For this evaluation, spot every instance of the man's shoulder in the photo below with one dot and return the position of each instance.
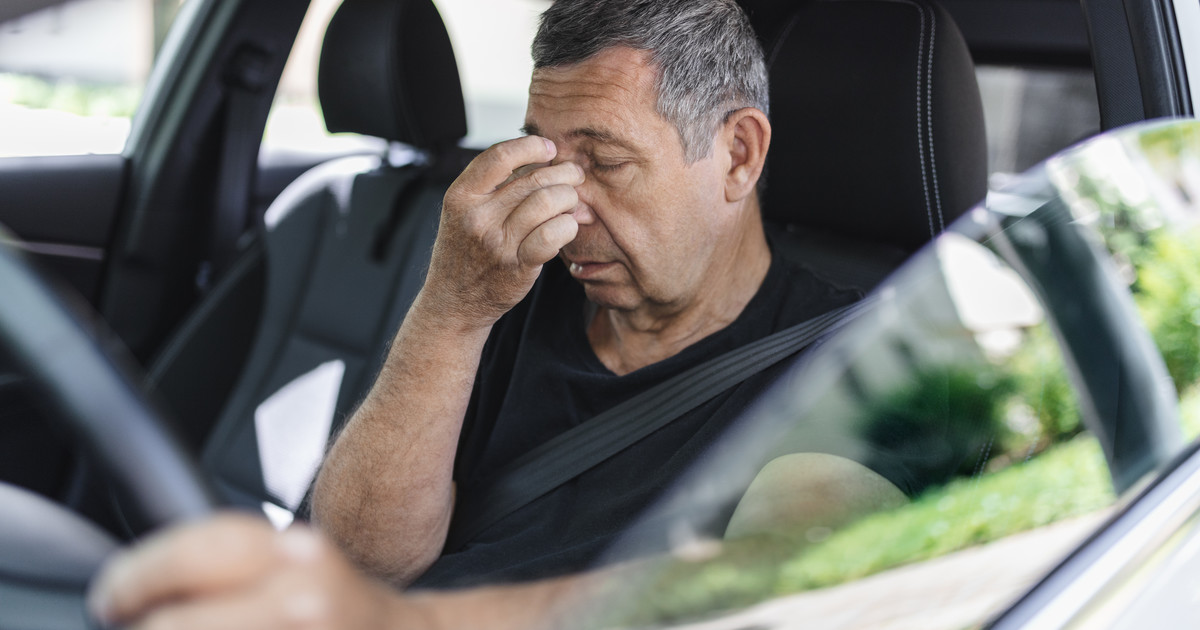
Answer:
(805, 293)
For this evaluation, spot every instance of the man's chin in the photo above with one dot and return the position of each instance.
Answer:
(608, 296)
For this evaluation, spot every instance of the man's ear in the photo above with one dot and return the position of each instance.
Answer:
(746, 134)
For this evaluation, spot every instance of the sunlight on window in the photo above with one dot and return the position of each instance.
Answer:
(71, 75)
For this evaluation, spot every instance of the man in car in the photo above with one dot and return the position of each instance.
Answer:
(615, 245)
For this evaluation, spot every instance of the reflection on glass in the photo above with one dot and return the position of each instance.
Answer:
(1140, 192)
(957, 395)
(1002, 385)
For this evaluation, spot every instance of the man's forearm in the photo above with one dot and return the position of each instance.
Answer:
(385, 492)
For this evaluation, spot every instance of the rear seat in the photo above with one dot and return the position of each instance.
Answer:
(340, 257)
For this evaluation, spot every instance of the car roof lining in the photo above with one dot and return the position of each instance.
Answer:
(1023, 32)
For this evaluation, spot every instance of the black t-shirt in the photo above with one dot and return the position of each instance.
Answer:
(539, 377)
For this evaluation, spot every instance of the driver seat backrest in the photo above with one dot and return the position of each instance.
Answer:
(878, 134)
(345, 248)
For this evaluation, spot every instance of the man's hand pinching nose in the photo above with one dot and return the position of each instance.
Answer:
(505, 216)
(521, 172)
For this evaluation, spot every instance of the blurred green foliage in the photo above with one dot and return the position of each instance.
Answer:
(83, 99)
(1044, 387)
(1168, 297)
(1161, 264)
(947, 422)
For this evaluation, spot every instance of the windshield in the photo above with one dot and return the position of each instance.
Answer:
(1016, 380)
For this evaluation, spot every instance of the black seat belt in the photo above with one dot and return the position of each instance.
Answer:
(244, 81)
(586, 445)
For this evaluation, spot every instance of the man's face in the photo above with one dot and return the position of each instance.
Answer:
(648, 220)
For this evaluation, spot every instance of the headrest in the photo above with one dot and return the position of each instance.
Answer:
(387, 70)
(877, 123)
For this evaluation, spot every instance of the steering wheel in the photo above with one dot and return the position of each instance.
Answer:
(48, 553)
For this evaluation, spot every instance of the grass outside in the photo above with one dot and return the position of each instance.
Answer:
(1067, 480)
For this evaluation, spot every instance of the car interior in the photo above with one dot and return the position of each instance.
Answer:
(248, 293)
(324, 276)
(344, 247)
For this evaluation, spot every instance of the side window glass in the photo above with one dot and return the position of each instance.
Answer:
(957, 389)
(1149, 227)
(72, 73)
(958, 395)
(1032, 113)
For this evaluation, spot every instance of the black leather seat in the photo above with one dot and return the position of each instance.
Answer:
(341, 255)
(878, 134)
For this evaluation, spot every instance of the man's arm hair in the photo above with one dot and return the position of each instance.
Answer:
(385, 493)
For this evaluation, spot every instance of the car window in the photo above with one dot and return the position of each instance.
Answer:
(1032, 113)
(491, 44)
(72, 73)
(1002, 379)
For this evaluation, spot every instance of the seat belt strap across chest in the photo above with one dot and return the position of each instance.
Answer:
(586, 445)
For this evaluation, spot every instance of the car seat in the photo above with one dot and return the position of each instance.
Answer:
(878, 134)
(339, 258)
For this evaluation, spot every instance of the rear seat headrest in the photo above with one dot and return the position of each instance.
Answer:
(877, 121)
(387, 69)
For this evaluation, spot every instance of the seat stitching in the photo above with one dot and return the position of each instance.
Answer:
(920, 8)
(925, 176)
(920, 132)
(929, 118)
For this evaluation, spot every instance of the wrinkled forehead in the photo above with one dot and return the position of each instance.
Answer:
(613, 73)
(613, 91)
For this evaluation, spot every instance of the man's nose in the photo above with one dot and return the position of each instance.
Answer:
(582, 211)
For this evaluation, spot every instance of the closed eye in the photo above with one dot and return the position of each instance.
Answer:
(602, 167)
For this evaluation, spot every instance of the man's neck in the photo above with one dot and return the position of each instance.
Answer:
(625, 341)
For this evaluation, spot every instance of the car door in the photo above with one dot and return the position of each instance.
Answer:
(72, 73)
(128, 219)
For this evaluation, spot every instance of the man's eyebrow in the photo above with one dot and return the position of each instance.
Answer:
(599, 135)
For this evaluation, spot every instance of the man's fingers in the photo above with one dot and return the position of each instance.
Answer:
(522, 171)
(314, 588)
(190, 561)
(545, 240)
(528, 179)
(292, 598)
(540, 206)
(230, 611)
(494, 166)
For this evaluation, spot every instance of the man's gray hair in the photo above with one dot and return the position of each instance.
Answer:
(708, 58)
